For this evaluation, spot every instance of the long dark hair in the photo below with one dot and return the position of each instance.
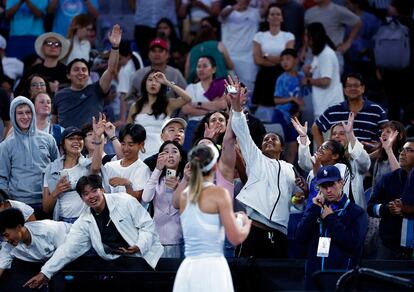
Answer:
(338, 148)
(173, 38)
(398, 143)
(161, 102)
(317, 33)
(181, 164)
(199, 131)
(28, 83)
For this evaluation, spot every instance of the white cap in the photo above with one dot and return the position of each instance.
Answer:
(174, 120)
(3, 42)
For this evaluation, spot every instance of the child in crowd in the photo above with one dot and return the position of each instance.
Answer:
(288, 97)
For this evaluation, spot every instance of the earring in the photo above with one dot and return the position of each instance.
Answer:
(143, 150)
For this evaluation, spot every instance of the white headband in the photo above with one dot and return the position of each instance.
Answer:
(209, 166)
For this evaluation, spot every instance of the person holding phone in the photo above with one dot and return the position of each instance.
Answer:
(332, 231)
(159, 189)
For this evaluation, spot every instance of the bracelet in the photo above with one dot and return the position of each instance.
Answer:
(96, 143)
(115, 48)
(113, 138)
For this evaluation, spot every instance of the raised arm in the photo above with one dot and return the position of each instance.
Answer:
(304, 155)
(111, 134)
(149, 189)
(387, 145)
(227, 160)
(110, 73)
(98, 140)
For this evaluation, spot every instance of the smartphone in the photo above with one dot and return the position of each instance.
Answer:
(231, 89)
(170, 172)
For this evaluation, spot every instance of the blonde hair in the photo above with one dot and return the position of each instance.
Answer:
(79, 21)
(200, 158)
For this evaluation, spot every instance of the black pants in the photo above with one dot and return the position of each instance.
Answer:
(264, 244)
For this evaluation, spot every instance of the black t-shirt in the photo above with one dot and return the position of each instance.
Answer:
(4, 106)
(56, 73)
(111, 238)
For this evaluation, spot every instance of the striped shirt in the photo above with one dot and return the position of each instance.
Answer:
(367, 121)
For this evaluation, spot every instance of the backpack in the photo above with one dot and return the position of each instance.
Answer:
(392, 46)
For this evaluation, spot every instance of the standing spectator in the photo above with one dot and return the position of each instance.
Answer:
(294, 19)
(147, 14)
(133, 235)
(335, 18)
(369, 116)
(240, 23)
(267, 46)
(207, 44)
(323, 73)
(158, 56)
(336, 221)
(26, 24)
(52, 48)
(78, 32)
(64, 11)
(159, 190)
(153, 108)
(12, 67)
(386, 195)
(77, 104)
(129, 174)
(25, 155)
(268, 191)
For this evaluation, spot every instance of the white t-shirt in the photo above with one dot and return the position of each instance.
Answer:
(197, 13)
(326, 65)
(196, 91)
(138, 173)
(70, 204)
(26, 209)
(273, 45)
(125, 77)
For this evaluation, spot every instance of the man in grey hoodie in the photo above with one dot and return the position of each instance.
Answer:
(24, 156)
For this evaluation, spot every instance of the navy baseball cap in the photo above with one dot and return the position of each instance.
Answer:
(70, 131)
(328, 173)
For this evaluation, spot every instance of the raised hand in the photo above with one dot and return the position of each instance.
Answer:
(234, 98)
(99, 127)
(212, 132)
(160, 77)
(161, 160)
(115, 36)
(349, 125)
(387, 144)
(110, 129)
(302, 130)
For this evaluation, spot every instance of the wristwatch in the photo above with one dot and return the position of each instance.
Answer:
(172, 83)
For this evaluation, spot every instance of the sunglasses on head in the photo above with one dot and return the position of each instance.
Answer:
(56, 44)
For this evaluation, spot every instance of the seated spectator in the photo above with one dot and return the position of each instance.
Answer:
(61, 176)
(78, 103)
(6, 203)
(129, 174)
(35, 84)
(213, 125)
(12, 67)
(52, 48)
(369, 116)
(24, 156)
(359, 160)
(64, 12)
(207, 95)
(34, 241)
(43, 107)
(26, 24)
(80, 47)
(323, 74)
(172, 130)
(384, 157)
(134, 234)
(335, 223)
(153, 108)
(159, 190)
(158, 56)
(267, 46)
(208, 45)
(385, 198)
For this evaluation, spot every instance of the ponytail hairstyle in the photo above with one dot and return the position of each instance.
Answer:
(202, 159)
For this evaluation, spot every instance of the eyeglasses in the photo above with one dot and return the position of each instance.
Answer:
(52, 44)
(407, 149)
(38, 84)
(325, 147)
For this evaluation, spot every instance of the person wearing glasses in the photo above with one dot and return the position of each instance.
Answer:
(388, 204)
(51, 48)
(369, 116)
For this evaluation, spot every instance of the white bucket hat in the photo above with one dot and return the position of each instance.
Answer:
(41, 39)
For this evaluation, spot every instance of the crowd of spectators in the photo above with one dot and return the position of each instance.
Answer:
(290, 92)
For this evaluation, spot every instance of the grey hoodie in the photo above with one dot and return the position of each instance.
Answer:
(24, 157)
